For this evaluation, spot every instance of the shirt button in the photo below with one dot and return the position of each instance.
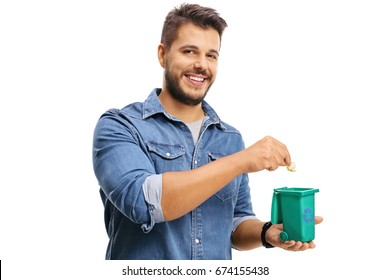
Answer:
(197, 241)
(196, 162)
(168, 154)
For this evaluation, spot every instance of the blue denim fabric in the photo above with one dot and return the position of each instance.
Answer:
(142, 140)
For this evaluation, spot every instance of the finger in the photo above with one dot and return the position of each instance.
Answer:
(273, 166)
(288, 245)
(297, 246)
(272, 163)
(282, 155)
(318, 220)
(312, 245)
(285, 157)
(277, 160)
(304, 246)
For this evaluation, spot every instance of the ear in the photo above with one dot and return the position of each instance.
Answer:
(161, 55)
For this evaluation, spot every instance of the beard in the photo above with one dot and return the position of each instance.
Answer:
(178, 93)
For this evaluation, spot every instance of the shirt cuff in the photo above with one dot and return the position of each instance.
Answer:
(152, 189)
(238, 220)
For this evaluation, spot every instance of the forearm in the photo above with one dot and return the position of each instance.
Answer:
(184, 191)
(247, 235)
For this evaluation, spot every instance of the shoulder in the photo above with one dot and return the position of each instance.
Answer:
(214, 118)
(136, 110)
(130, 111)
(229, 128)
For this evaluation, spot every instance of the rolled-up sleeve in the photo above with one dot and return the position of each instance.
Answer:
(152, 188)
(122, 166)
(238, 220)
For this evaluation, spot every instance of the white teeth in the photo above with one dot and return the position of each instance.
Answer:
(198, 79)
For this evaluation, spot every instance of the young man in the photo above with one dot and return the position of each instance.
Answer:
(173, 176)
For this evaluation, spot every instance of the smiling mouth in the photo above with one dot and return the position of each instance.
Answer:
(196, 79)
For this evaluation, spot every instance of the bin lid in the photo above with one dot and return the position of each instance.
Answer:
(296, 191)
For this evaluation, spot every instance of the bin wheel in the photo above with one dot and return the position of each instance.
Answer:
(283, 236)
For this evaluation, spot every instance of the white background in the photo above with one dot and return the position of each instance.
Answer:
(314, 74)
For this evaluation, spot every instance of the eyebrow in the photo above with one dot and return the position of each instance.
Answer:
(193, 47)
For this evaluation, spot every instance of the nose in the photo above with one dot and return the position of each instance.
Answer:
(201, 63)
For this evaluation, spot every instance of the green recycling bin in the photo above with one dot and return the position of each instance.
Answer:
(294, 207)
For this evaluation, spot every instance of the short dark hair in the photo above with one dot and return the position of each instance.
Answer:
(203, 17)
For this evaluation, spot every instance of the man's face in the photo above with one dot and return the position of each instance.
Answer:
(191, 64)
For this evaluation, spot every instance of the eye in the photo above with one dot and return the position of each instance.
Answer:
(212, 56)
(189, 51)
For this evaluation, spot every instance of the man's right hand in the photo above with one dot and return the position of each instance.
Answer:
(268, 153)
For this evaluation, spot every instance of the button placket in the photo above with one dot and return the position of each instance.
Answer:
(198, 234)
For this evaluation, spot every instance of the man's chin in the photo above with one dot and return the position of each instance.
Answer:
(192, 101)
(191, 96)
(197, 95)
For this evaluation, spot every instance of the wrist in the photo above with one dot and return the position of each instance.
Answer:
(243, 163)
(264, 242)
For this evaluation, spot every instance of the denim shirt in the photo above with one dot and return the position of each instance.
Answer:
(142, 141)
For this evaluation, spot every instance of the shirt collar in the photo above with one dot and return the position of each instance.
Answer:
(153, 106)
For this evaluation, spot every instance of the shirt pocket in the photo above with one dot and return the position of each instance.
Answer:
(166, 157)
(230, 190)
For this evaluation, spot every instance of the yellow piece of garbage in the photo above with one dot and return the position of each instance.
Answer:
(291, 167)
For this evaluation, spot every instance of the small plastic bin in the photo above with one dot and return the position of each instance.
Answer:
(294, 207)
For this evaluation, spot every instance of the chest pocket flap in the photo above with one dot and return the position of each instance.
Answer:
(166, 151)
(166, 157)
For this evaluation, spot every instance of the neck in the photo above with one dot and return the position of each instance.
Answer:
(184, 112)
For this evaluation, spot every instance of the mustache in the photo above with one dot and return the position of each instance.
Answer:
(200, 72)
